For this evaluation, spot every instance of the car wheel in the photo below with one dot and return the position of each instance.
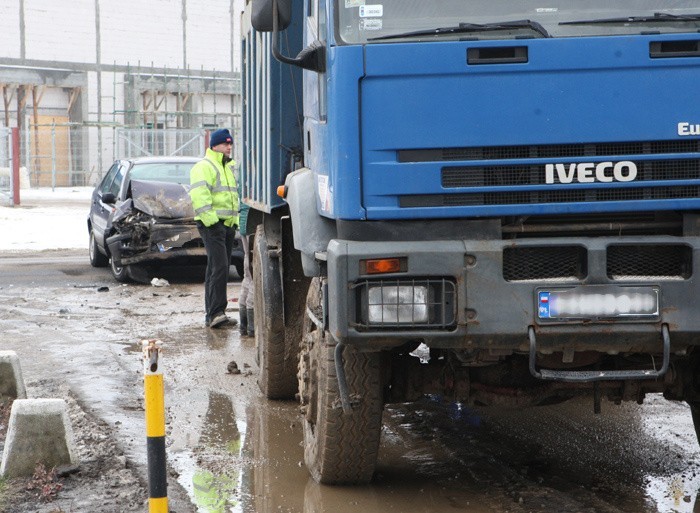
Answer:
(97, 259)
(120, 272)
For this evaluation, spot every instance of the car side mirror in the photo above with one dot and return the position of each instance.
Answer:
(109, 198)
(262, 15)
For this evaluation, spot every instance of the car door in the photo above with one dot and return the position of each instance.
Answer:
(101, 211)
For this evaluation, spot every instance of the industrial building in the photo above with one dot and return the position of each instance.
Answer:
(87, 81)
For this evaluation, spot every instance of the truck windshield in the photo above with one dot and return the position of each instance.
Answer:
(359, 21)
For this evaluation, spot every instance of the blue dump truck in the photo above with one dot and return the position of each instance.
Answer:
(494, 202)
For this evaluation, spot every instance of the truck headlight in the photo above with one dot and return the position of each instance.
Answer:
(397, 304)
(406, 303)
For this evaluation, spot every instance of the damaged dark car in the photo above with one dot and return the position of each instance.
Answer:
(141, 220)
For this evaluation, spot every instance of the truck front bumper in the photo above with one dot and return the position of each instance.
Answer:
(474, 302)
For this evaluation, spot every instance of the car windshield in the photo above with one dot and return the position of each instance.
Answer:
(173, 172)
(358, 21)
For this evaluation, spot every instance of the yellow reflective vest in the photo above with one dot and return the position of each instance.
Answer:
(213, 190)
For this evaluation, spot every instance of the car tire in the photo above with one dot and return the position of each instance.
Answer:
(97, 259)
(120, 273)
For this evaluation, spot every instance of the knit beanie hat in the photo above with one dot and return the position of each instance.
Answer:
(220, 136)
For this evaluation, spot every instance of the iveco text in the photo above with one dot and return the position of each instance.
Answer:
(688, 129)
(588, 172)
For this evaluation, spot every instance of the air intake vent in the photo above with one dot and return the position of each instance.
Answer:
(657, 262)
(557, 263)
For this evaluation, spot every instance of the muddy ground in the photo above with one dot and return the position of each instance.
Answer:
(78, 335)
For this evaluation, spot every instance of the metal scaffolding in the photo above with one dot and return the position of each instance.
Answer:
(161, 109)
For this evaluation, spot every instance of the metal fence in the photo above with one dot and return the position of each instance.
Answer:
(147, 142)
(67, 155)
(56, 155)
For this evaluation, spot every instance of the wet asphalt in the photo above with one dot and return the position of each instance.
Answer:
(69, 321)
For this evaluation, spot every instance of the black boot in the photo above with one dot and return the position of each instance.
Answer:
(251, 322)
(243, 325)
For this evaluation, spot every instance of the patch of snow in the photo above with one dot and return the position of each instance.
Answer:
(46, 219)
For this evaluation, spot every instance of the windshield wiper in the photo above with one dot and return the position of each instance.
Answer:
(464, 28)
(658, 17)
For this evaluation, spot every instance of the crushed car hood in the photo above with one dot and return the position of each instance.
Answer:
(162, 199)
(154, 224)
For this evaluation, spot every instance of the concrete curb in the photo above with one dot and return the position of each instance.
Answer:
(11, 382)
(39, 431)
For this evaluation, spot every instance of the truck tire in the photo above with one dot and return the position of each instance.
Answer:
(278, 366)
(339, 448)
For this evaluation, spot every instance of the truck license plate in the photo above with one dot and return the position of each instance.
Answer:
(598, 302)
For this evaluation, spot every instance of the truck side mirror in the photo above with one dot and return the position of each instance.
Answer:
(261, 16)
(263, 19)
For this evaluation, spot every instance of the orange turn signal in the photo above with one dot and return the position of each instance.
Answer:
(282, 191)
(383, 265)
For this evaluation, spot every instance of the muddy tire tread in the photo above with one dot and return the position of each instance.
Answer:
(352, 441)
(341, 448)
(278, 365)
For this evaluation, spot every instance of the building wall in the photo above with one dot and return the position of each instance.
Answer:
(60, 31)
(199, 34)
(9, 29)
(149, 32)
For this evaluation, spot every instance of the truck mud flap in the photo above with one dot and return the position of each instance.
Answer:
(588, 376)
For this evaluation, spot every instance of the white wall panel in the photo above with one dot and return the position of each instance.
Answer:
(139, 30)
(209, 34)
(9, 29)
(60, 30)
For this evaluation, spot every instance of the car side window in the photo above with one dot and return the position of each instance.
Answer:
(117, 183)
(109, 177)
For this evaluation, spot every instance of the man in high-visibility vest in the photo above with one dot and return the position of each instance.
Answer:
(214, 198)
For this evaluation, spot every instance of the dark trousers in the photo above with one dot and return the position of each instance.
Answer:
(218, 241)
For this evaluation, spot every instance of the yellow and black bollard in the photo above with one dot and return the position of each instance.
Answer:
(155, 426)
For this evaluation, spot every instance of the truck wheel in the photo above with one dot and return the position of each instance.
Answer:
(339, 448)
(278, 366)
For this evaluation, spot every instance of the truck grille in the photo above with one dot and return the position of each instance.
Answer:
(623, 262)
(550, 151)
(556, 196)
(506, 179)
(545, 263)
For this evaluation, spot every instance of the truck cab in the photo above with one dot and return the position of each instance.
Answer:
(512, 190)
